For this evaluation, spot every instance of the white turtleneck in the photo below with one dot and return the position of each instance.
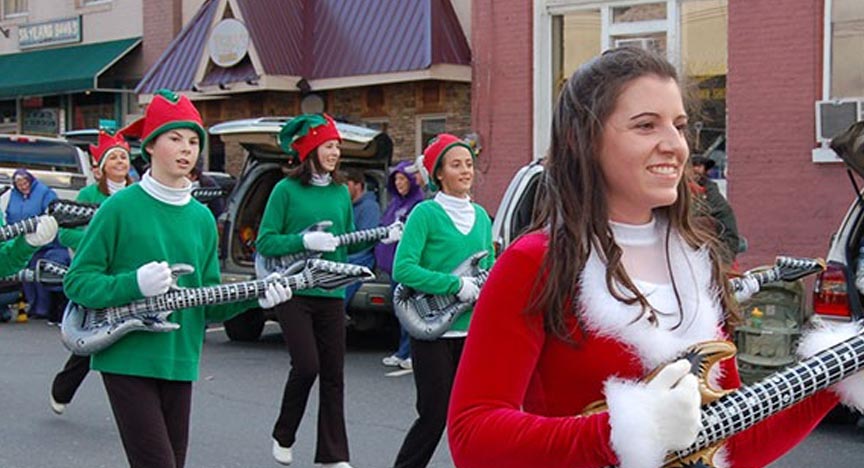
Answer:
(114, 187)
(321, 180)
(164, 193)
(643, 250)
(460, 210)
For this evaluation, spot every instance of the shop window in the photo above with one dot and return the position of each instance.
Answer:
(847, 42)
(8, 117)
(427, 127)
(89, 108)
(13, 8)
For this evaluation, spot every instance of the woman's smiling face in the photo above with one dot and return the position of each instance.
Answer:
(643, 150)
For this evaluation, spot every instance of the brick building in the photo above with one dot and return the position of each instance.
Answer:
(399, 66)
(767, 62)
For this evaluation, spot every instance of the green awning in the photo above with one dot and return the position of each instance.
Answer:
(61, 70)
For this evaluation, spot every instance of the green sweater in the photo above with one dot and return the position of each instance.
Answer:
(291, 208)
(71, 237)
(14, 254)
(431, 247)
(132, 228)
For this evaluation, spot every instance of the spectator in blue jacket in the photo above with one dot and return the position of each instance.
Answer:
(367, 215)
(30, 198)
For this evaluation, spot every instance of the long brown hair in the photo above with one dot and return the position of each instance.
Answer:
(573, 209)
(311, 165)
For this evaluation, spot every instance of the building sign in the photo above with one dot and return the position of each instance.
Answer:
(41, 121)
(229, 42)
(49, 33)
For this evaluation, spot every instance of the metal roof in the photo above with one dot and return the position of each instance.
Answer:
(320, 39)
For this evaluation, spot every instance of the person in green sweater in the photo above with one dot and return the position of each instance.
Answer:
(440, 234)
(148, 376)
(15, 253)
(313, 324)
(110, 159)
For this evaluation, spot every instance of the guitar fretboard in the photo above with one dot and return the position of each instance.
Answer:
(367, 235)
(747, 406)
(187, 298)
(761, 277)
(25, 226)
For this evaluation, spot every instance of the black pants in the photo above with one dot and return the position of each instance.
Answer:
(67, 381)
(153, 418)
(314, 330)
(435, 364)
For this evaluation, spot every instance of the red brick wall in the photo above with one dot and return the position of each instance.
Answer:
(784, 202)
(163, 20)
(501, 92)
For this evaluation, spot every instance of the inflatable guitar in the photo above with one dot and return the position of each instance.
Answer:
(265, 266)
(46, 272)
(428, 316)
(785, 269)
(208, 194)
(67, 213)
(728, 412)
(86, 331)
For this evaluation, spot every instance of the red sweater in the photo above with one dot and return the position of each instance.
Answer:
(519, 392)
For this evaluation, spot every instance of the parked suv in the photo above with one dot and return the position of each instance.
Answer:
(835, 295)
(265, 165)
(52, 161)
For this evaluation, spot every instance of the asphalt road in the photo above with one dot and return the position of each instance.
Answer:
(235, 403)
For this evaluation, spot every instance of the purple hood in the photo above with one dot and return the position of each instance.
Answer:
(398, 208)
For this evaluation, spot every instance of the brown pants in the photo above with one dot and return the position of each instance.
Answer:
(67, 381)
(152, 416)
(435, 364)
(314, 330)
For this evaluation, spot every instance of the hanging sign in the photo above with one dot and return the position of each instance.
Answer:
(229, 42)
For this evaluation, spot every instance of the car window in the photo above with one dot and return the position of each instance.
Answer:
(39, 155)
(524, 208)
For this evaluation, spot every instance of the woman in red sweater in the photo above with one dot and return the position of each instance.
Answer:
(613, 282)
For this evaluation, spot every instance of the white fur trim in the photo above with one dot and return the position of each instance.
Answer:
(634, 434)
(825, 335)
(721, 458)
(656, 345)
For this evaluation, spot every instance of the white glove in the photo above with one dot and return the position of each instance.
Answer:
(154, 278)
(46, 230)
(749, 287)
(468, 291)
(276, 294)
(320, 241)
(676, 405)
(650, 419)
(394, 234)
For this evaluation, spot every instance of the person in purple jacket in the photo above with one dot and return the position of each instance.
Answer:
(404, 194)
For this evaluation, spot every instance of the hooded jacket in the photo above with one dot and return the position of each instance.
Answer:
(33, 204)
(397, 209)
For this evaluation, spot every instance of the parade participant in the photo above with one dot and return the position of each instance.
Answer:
(15, 254)
(439, 235)
(30, 198)
(148, 376)
(313, 324)
(612, 282)
(405, 193)
(110, 159)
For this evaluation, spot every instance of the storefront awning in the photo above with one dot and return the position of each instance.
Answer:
(61, 70)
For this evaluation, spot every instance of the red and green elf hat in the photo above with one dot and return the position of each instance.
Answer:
(302, 134)
(167, 111)
(106, 143)
(434, 153)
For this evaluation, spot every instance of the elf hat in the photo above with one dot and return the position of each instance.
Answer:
(433, 155)
(167, 111)
(302, 134)
(106, 143)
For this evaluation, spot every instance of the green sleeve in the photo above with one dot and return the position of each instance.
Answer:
(15, 255)
(71, 237)
(271, 241)
(406, 266)
(88, 282)
(211, 275)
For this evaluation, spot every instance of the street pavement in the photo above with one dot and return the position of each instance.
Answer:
(235, 403)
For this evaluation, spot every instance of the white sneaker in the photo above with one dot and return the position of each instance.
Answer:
(57, 408)
(392, 361)
(336, 465)
(282, 454)
(407, 364)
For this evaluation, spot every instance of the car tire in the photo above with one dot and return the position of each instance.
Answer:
(246, 326)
